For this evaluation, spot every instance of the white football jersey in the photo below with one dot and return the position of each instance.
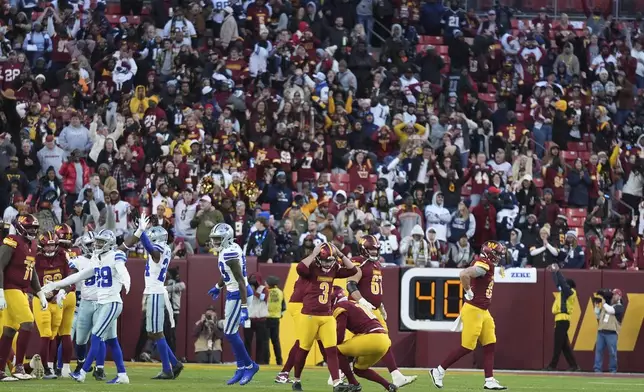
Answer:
(155, 272)
(88, 288)
(109, 281)
(218, 8)
(230, 253)
(121, 211)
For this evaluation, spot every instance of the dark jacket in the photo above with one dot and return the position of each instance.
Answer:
(580, 183)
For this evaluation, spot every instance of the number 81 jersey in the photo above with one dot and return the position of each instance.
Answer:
(370, 284)
(155, 273)
(233, 252)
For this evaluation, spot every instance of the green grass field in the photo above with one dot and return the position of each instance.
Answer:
(213, 377)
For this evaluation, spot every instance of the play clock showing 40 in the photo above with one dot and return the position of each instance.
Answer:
(431, 299)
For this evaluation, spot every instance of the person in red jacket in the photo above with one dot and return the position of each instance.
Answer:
(485, 217)
(75, 174)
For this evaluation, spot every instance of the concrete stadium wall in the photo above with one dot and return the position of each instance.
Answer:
(524, 322)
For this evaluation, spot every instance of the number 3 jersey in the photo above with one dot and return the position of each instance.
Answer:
(110, 274)
(317, 301)
(155, 273)
(88, 288)
(370, 284)
(233, 252)
(52, 269)
(483, 285)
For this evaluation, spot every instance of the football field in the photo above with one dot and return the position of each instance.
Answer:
(213, 378)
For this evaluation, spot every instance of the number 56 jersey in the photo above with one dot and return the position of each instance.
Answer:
(110, 274)
(483, 285)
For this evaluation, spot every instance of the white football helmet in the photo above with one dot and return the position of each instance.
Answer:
(104, 241)
(86, 243)
(221, 236)
(158, 235)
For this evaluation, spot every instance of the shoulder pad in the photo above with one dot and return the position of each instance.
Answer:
(10, 241)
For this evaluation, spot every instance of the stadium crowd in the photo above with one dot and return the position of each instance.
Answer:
(299, 122)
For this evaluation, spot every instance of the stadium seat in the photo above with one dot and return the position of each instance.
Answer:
(520, 108)
(577, 146)
(294, 176)
(575, 222)
(581, 241)
(442, 49)
(466, 190)
(431, 40)
(587, 138)
(569, 156)
(55, 93)
(578, 212)
(490, 98)
(520, 117)
(609, 232)
(585, 155)
(266, 207)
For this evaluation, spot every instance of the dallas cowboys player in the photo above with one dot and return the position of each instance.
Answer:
(232, 266)
(155, 242)
(110, 276)
(87, 315)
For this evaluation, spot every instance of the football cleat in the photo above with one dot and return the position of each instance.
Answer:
(120, 379)
(343, 388)
(5, 378)
(401, 381)
(38, 370)
(239, 373)
(59, 372)
(355, 388)
(79, 377)
(20, 374)
(79, 366)
(177, 369)
(392, 388)
(164, 376)
(49, 375)
(249, 374)
(99, 374)
(282, 378)
(493, 385)
(437, 377)
(297, 386)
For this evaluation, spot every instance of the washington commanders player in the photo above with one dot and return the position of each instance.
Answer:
(319, 270)
(478, 324)
(17, 276)
(365, 287)
(368, 344)
(65, 236)
(51, 265)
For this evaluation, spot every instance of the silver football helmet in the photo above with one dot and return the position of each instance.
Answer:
(104, 241)
(157, 235)
(221, 236)
(86, 243)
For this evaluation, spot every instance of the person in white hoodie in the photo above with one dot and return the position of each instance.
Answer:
(414, 248)
(438, 217)
(98, 134)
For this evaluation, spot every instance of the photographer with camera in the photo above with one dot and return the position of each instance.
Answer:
(562, 307)
(209, 332)
(610, 312)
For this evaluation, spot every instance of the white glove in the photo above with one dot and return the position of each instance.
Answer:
(43, 300)
(60, 298)
(127, 288)
(48, 288)
(469, 295)
(144, 221)
(363, 302)
(3, 302)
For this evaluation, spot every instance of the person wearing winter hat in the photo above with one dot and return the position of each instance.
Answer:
(571, 254)
(517, 250)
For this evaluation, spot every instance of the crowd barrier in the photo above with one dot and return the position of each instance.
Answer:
(524, 322)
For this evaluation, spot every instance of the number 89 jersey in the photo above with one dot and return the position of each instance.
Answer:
(155, 273)
(233, 252)
(370, 284)
(108, 280)
(483, 285)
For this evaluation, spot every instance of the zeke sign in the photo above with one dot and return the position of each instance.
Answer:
(431, 299)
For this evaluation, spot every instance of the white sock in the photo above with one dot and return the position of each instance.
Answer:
(440, 369)
(50, 365)
(396, 373)
(121, 374)
(82, 372)
(489, 379)
(336, 382)
(100, 366)
(66, 367)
